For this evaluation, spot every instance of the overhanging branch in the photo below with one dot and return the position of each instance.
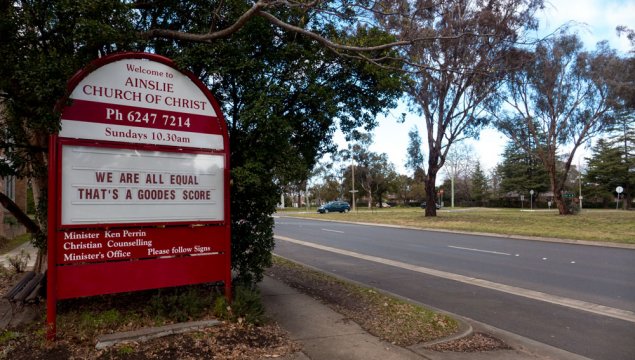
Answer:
(23, 218)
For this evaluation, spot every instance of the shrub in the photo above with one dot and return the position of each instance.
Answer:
(19, 262)
(179, 304)
(247, 306)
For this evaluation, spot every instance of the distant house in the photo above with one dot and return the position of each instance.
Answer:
(16, 190)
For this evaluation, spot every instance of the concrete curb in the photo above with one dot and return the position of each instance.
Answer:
(465, 330)
(146, 334)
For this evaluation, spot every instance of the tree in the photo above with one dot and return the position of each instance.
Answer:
(521, 171)
(558, 97)
(415, 160)
(281, 95)
(459, 162)
(327, 178)
(453, 77)
(623, 138)
(377, 176)
(608, 170)
(280, 92)
(374, 174)
(42, 44)
(479, 185)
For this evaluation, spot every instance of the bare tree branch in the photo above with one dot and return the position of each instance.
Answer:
(15, 210)
(210, 36)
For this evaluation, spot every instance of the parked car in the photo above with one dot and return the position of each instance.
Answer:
(383, 205)
(333, 206)
(423, 205)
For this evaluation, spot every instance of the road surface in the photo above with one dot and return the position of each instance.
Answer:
(574, 297)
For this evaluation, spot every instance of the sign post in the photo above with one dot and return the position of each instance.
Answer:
(138, 183)
(531, 199)
(619, 191)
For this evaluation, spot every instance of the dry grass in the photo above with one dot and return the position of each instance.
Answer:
(593, 225)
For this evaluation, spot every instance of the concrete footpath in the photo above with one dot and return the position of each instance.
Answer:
(326, 335)
(27, 249)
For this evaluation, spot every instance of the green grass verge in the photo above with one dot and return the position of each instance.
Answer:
(7, 245)
(616, 226)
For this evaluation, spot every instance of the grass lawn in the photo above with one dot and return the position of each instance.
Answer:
(7, 245)
(595, 225)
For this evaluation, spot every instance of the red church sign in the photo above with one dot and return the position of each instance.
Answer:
(138, 182)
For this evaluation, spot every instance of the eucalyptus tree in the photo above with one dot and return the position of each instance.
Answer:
(456, 70)
(559, 98)
(459, 165)
(414, 154)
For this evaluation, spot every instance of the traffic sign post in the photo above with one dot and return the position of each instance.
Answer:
(619, 191)
(531, 199)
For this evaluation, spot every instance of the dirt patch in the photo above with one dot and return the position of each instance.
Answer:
(227, 341)
(474, 343)
(81, 321)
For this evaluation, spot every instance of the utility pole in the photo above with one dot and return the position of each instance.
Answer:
(452, 183)
(353, 181)
(580, 184)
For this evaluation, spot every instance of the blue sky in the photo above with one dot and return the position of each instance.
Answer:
(596, 21)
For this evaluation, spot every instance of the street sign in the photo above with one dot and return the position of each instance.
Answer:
(619, 189)
(568, 195)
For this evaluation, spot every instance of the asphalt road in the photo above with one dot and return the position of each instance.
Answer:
(577, 298)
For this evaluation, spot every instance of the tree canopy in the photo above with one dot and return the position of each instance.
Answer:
(453, 77)
(558, 98)
(282, 94)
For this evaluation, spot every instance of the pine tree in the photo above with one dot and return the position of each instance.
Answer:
(607, 170)
(480, 189)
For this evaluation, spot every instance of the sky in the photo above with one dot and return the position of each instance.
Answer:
(597, 21)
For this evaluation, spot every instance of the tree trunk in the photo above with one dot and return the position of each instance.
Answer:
(627, 197)
(560, 204)
(557, 186)
(431, 208)
(39, 186)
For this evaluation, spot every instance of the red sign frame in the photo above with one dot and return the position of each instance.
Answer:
(89, 257)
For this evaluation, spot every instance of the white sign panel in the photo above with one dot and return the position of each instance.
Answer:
(106, 186)
(141, 102)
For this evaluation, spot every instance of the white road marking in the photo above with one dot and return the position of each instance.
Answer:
(479, 250)
(335, 231)
(530, 294)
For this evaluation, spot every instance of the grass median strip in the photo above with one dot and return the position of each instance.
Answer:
(616, 226)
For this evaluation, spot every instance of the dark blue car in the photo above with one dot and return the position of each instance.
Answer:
(334, 206)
